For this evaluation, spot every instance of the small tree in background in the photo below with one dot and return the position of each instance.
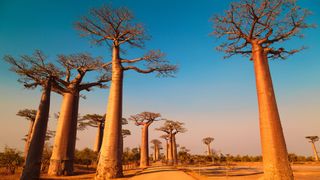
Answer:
(156, 147)
(166, 138)
(184, 155)
(30, 115)
(98, 121)
(312, 140)
(207, 141)
(172, 128)
(145, 119)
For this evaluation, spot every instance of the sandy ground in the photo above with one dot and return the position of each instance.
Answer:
(162, 173)
(300, 172)
(238, 172)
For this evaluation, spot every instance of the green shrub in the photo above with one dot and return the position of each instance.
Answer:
(10, 159)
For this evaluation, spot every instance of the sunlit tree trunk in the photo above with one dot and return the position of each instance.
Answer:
(144, 156)
(110, 164)
(157, 153)
(167, 149)
(174, 150)
(275, 156)
(154, 154)
(61, 162)
(27, 144)
(170, 152)
(208, 149)
(315, 152)
(99, 136)
(32, 166)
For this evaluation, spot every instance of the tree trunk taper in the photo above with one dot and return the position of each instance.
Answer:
(32, 166)
(274, 151)
(110, 164)
(61, 162)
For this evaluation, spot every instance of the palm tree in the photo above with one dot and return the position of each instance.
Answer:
(145, 119)
(207, 141)
(251, 29)
(314, 139)
(116, 28)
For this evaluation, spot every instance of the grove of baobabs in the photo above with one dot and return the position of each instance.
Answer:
(160, 90)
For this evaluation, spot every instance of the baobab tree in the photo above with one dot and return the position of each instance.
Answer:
(172, 128)
(253, 28)
(157, 146)
(312, 140)
(76, 66)
(35, 71)
(166, 138)
(116, 27)
(145, 119)
(30, 115)
(207, 141)
(97, 121)
(177, 128)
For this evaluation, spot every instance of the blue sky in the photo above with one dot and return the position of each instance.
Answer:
(213, 96)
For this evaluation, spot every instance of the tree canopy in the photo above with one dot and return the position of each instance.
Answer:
(263, 21)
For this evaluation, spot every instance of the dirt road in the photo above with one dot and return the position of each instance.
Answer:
(162, 173)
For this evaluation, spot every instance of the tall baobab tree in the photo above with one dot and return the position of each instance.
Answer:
(172, 128)
(76, 66)
(35, 71)
(30, 115)
(97, 121)
(145, 119)
(312, 140)
(207, 141)
(177, 128)
(116, 27)
(166, 138)
(157, 146)
(253, 28)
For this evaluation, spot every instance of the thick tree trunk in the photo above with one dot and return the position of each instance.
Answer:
(99, 136)
(154, 154)
(174, 150)
(32, 166)
(27, 144)
(208, 149)
(170, 151)
(274, 151)
(61, 162)
(144, 156)
(110, 164)
(315, 152)
(167, 150)
(158, 153)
